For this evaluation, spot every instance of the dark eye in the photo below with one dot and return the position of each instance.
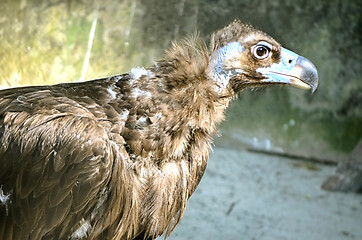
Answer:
(261, 51)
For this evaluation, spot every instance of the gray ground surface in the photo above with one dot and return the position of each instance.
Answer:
(245, 195)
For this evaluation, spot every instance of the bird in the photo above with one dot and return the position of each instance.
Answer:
(119, 157)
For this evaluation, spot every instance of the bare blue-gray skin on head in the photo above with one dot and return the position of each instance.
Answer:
(118, 157)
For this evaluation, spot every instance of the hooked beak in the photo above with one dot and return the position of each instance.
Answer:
(292, 69)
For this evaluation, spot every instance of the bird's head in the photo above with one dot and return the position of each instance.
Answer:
(243, 56)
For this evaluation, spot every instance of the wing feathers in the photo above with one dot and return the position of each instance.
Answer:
(55, 215)
(59, 160)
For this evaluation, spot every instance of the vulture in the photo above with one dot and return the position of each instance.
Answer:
(118, 157)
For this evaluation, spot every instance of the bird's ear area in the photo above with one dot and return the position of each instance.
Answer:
(227, 57)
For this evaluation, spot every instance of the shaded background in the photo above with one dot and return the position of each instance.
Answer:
(46, 42)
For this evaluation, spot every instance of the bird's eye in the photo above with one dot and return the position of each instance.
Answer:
(261, 51)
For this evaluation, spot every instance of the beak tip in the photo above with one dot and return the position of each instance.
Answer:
(309, 73)
(314, 88)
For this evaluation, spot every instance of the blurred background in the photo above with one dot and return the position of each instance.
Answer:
(53, 41)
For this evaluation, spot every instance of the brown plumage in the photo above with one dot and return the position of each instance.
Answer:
(118, 158)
